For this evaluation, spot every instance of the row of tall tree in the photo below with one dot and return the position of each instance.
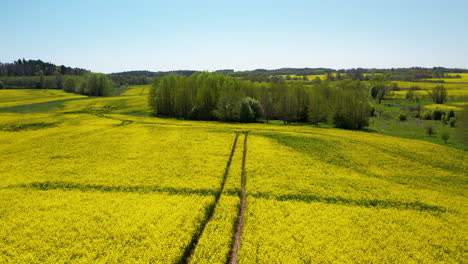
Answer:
(92, 84)
(212, 96)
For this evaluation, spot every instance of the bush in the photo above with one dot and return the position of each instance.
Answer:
(452, 122)
(430, 130)
(445, 137)
(194, 113)
(462, 125)
(402, 116)
(2, 86)
(95, 84)
(410, 95)
(439, 94)
(427, 115)
(70, 85)
(438, 114)
(451, 114)
(246, 114)
(445, 119)
(250, 110)
(374, 92)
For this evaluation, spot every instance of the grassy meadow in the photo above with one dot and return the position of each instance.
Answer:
(96, 180)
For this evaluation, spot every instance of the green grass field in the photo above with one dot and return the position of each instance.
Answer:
(96, 180)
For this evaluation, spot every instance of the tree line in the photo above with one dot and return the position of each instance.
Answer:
(363, 74)
(22, 67)
(122, 79)
(214, 96)
(92, 84)
(36, 82)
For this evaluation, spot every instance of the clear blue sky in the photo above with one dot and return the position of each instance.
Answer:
(111, 36)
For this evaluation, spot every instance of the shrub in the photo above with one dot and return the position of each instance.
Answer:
(445, 119)
(256, 108)
(462, 125)
(410, 95)
(246, 114)
(439, 94)
(70, 85)
(451, 114)
(2, 86)
(402, 116)
(194, 113)
(95, 84)
(427, 115)
(374, 92)
(430, 130)
(445, 137)
(250, 110)
(452, 122)
(438, 114)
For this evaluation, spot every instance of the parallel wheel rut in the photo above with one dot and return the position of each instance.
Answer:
(191, 248)
(240, 219)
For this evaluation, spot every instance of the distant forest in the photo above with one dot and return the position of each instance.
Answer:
(39, 74)
(262, 75)
(23, 67)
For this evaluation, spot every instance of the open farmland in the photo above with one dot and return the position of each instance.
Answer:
(455, 90)
(463, 79)
(94, 180)
(234, 132)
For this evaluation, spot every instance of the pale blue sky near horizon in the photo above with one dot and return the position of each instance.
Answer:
(113, 36)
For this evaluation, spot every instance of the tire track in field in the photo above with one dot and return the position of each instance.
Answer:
(210, 212)
(240, 219)
(142, 91)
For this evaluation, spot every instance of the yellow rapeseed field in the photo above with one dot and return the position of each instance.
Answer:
(464, 78)
(445, 107)
(103, 151)
(351, 197)
(311, 232)
(14, 97)
(454, 90)
(215, 243)
(137, 90)
(96, 180)
(85, 226)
